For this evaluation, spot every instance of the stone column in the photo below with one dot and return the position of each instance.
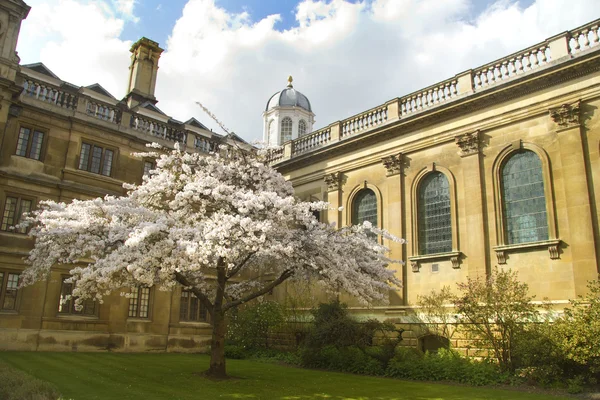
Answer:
(475, 244)
(581, 237)
(334, 197)
(396, 219)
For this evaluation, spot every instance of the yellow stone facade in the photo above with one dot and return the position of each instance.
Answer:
(544, 99)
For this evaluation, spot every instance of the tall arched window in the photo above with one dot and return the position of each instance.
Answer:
(434, 217)
(364, 207)
(524, 201)
(286, 130)
(302, 127)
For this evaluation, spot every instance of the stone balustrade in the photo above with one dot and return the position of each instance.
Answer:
(311, 141)
(204, 145)
(158, 129)
(49, 94)
(365, 121)
(429, 97)
(511, 66)
(584, 37)
(103, 111)
(275, 155)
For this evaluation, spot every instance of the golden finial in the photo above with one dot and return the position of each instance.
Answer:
(290, 79)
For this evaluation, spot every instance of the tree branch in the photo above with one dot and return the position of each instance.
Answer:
(197, 292)
(238, 267)
(284, 275)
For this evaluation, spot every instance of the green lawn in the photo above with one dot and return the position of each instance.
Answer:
(106, 376)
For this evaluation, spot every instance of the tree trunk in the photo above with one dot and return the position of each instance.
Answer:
(217, 347)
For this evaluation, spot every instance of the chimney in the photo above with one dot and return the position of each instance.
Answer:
(142, 72)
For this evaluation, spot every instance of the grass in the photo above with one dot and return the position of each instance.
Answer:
(106, 376)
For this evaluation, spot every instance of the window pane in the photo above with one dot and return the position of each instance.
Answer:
(36, 145)
(23, 142)
(133, 302)
(434, 218)
(144, 296)
(365, 207)
(8, 217)
(10, 295)
(96, 159)
(107, 162)
(524, 199)
(25, 208)
(64, 307)
(148, 166)
(286, 129)
(301, 128)
(184, 306)
(84, 157)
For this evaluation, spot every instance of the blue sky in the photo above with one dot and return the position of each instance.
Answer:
(157, 17)
(345, 56)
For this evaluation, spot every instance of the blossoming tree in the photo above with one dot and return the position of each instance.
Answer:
(225, 226)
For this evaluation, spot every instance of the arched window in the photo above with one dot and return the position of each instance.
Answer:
(434, 217)
(286, 130)
(364, 207)
(302, 127)
(524, 202)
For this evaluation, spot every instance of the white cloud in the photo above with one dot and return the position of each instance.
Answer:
(346, 57)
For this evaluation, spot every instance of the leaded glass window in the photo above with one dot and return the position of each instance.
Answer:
(524, 199)
(286, 130)
(139, 303)
(364, 208)
(434, 218)
(301, 128)
(191, 308)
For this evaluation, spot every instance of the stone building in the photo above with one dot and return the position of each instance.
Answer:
(60, 141)
(498, 165)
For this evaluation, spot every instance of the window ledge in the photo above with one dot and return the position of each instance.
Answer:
(453, 256)
(93, 175)
(552, 245)
(199, 324)
(9, 312)
(75, 318)
(143, 320)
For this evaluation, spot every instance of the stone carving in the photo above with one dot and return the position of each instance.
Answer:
(468, 143)
(393, 164)
(455, 261)
(566, 116)
(553, 249)
(501, 256)
(333, 181)
(415, 266)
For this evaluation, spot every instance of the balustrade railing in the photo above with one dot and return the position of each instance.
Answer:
(49, 94)
(511, 66)
(204, 144)
(429, 97)
(583, 38)
(364, 121)
(275, 155)
(158, 129)
(103, 112)
(311, 141)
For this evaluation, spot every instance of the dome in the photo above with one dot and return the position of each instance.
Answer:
(289, 97)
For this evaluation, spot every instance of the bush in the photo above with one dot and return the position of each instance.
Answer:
(17, 385)
(249, 328)
(493, 312)
(445, 365)
(577, 334)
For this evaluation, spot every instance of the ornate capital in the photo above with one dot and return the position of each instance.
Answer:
(468, 143)
(566, 116)
(415, 266)
(333, 181)
(394, 164)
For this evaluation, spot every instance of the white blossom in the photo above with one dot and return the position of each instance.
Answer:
(196, 218)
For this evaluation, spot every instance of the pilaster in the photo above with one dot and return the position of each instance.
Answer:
(580, 240)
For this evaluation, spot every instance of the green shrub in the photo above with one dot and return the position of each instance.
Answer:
(235, 352)
(445, 365)
(17, 385)
(250, 327)
(577, 334)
